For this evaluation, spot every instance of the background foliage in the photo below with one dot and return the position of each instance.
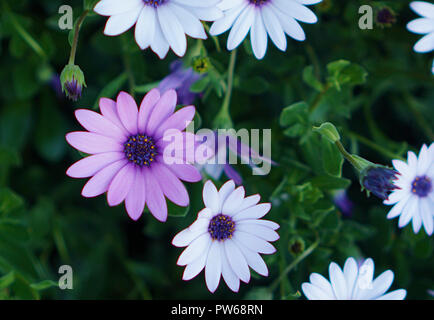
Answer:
(369, 83)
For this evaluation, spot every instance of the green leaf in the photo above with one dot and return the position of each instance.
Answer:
(259, 294)
(145, 88)
(9, 200)
(310, 79)
(295, 113)
(328, 131)
(332, 158)
(45, 284)
(112, 88)
(254, 85)
(177, 211)
(327, 182)
(200, 85)
(7, 280)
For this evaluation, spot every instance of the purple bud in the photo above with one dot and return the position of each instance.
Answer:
(379, 181)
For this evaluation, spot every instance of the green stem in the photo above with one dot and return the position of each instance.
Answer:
(375, 146)
(319, 97)
(224, 111)
(347, 155)
(24, 34)
(76, 33)
(423, 124)
(294, 263)
(129, 71)
(215, 39)
(231, 71)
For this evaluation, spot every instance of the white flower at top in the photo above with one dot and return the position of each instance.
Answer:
(227, 237)
(424, 25)
(353, 283)
(160, 24)
(263, 18)
(414, 200)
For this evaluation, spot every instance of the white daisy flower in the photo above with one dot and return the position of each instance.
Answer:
(424, 25)
(353, 283)
(414, 201)
(160, 24)
(227, 237)
(263, 18)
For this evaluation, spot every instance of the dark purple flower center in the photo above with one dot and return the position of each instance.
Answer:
(421, 186)
(379, 181)
(221, 227)
(140, 149)
(73, 89)
(258, 3)
(154, 3)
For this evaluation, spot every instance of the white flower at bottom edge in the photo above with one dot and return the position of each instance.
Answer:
(353, 283)
(414, 200)
(424, 25)
(160, 24)
(227, 237)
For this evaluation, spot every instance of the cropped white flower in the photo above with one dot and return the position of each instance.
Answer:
(414, 201)
(160, 24)
(227, 237)
(263, 18)
(424, 25)
(353, 283)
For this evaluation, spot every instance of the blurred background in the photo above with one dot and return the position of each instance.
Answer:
(382, 106)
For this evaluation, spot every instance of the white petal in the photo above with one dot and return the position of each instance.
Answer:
(350, 273)
(120, 23)
(258, 36)
(195, 267)
(254, 243)
(159, 43)
(233, 202)
(113, 7)
(172, 30)
(410, 209)
(397, 208)
(145, 27)
(312, 292)
(379, 286)
(423, 8)
(185, 237)
(198, 247)
(265, 223)
(213, 268)
(249, 202)
(231, 279)
(255, 212)
(258, 230)
(421, 25)
(191, 25)
(427, 214)
(338, 282)
(225, 23)
(211, 197)
(253, 259)
(394, 295)
(319, 281)
(274, 29)
(237, 261)
(241, 27)
(296, 10)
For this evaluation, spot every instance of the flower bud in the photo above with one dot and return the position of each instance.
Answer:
(379, 181)
(72, 79)
(385, 17)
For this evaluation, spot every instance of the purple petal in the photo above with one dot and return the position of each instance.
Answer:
(127, 111)
(179, 120)
(232, 174)
(92, 143)
(135, 200)
(121, 185)
(100, 182)
(162, 110)
(186, 172)
(96, 123)
(109, 110)
(171, 186)
(146, 107)
(154, 197)
(88, 166)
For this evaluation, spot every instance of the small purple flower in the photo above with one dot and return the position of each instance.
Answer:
(126, 146)
(73, 82)
(379, 181)
(344, 203)
(181, 80)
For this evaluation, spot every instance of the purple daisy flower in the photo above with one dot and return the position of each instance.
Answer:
(126, 146)
(181, 80)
